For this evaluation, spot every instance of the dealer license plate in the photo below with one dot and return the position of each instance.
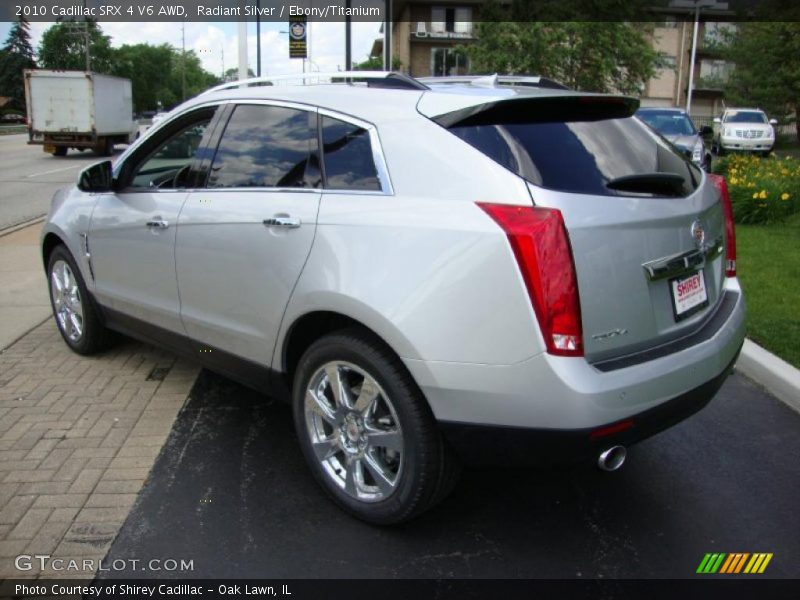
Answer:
(688, 294)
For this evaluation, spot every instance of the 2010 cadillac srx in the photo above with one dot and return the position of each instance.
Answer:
(430, 273)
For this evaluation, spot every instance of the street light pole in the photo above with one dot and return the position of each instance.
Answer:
(691, 62)
(258, 38)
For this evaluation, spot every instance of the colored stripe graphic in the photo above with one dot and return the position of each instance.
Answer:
(758, 563)
(711, 563)
(734, 563)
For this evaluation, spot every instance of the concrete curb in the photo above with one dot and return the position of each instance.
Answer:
(21, 225)
(779, 377)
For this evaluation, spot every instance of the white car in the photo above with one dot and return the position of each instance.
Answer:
(746, 129)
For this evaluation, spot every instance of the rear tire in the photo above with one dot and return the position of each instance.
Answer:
(75, 311)
(374, 445)
(60, 151)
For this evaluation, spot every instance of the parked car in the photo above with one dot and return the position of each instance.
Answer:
(744, 129)
(676, 126)
(158, 117)
(13, 118)
(491, 275)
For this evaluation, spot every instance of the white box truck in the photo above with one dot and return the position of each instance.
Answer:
(78, 109)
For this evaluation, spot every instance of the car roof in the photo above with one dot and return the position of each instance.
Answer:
(374, 103)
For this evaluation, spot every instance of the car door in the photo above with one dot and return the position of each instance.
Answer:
(243, 239)
(132, 235)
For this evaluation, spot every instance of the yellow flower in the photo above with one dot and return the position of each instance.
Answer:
(785, 196)
(755, 196)
(734, 181)
(763, 194)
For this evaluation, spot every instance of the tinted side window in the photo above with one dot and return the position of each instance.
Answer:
(348, 157)
(267, 146)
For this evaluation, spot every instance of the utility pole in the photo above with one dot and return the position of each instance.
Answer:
(258, 38)
(222, 54)
(183, 62)
(348, 42)
(387, 38)
(717, 7)
(87, 40)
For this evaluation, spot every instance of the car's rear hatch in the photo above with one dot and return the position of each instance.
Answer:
(646, 227)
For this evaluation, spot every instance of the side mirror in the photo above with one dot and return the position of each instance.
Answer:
(773, 121)
(717, 120)
(96, 178)
(706, 130)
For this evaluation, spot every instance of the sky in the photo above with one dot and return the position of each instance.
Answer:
(213, 42)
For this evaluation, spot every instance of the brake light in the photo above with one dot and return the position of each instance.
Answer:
(540, 244)
(730, 231)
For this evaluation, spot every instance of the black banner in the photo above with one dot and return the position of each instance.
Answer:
(734, 588)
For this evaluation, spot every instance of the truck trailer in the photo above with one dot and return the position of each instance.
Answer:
(78, 109)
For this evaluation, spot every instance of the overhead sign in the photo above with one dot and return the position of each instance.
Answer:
(298, 45)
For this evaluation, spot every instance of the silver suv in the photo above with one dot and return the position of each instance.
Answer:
(430, 274)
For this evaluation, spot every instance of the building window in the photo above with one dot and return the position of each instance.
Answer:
(445, 20)
(448, 61)
(668, 63)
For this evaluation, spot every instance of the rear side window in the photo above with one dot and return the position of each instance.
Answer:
(347, 153)
(267, 146)
(565, 146)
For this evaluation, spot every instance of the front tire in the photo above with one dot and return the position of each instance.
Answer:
(75, 312)
(367, 432)
(60, 151)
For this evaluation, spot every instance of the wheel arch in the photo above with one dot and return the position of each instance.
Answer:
(49, 243)
(311, 326)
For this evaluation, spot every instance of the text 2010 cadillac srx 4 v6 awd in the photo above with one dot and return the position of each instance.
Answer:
(432, 272)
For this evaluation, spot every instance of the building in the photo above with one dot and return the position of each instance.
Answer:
(426, 35)
(670, 85)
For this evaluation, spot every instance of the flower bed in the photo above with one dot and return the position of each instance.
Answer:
(763, 190)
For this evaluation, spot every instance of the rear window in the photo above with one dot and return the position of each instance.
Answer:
(567, 145)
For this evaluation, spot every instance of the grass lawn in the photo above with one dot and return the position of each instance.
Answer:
(768, 265)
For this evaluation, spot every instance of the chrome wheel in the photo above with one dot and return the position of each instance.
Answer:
(67, 303)
(354, 431)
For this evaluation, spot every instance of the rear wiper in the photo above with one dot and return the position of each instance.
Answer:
(661, 184)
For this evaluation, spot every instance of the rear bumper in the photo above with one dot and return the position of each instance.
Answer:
(551, 395)
(487, 445)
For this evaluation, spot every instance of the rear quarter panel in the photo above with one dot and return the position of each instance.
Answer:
(426, 269)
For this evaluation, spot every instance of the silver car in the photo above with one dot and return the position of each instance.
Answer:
(430, 274)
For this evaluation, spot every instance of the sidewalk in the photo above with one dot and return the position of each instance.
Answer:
(78, 435)
(24, 302)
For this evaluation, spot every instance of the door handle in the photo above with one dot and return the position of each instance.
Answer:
(158, 224)
(282, 221)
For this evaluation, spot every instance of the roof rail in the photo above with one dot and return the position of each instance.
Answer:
(494, 79)
(379, 79)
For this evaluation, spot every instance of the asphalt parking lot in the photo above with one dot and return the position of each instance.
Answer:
(230, 491)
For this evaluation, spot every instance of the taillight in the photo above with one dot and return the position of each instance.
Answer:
(730, 231)
(540, 244)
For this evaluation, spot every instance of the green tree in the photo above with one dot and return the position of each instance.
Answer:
(767, 70)
(63, 46)
(16, 55)
(597, 56)
(375, 63)
(232, 74)
(157, 74)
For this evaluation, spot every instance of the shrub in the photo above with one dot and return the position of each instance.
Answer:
(763, 190)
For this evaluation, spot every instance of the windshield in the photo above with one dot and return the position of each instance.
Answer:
(668, 123)
(745, 116)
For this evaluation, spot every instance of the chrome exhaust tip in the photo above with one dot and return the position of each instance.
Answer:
(612, 459)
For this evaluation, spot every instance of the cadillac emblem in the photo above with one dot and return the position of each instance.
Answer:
(698, 233)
